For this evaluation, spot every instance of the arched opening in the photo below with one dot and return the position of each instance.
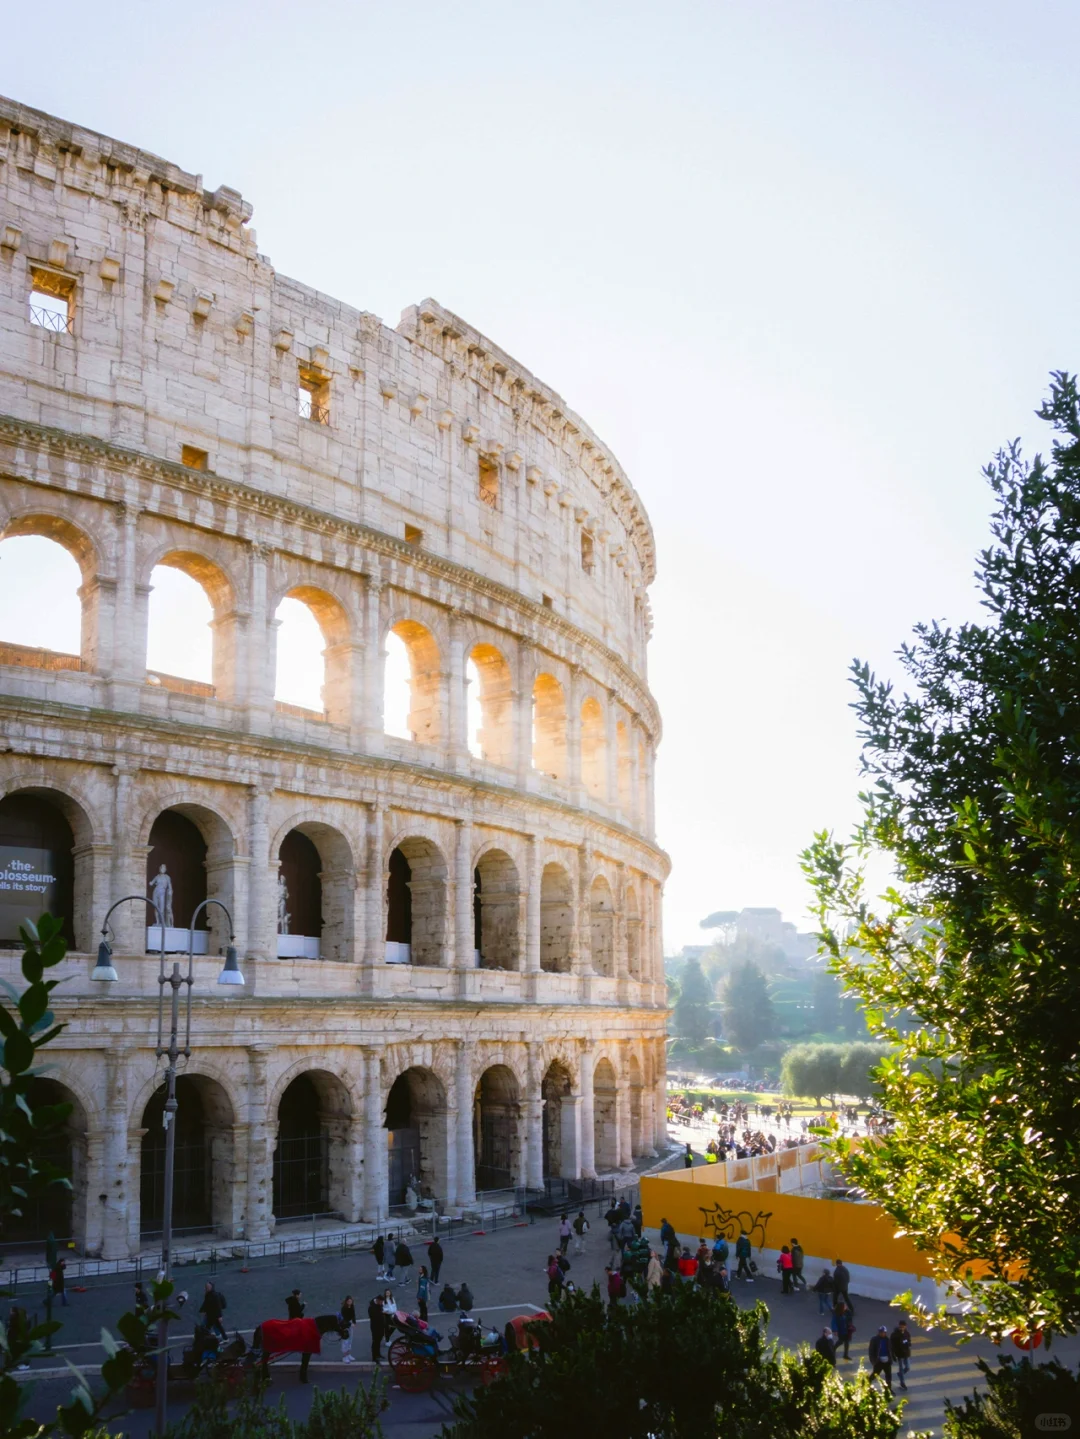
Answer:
(416, 1135)
(633, 933)
(605, 1116)
(623, 769)
(637, 1100)
(592, 748)
(549, 727)
(556, 919)
(496, 1129)
(41, 609)
(203, 1172)
(188, 647)
(311, 1158)
(60, 1211)
(556, 1090)
(602, 927)
(37, 865)
(190, 859)
(416, 904)
(498, 911)
(421, 722)
(490, 706)
(314, 659)
(299, 897)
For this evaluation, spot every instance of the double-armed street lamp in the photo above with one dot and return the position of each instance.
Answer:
(175, 982)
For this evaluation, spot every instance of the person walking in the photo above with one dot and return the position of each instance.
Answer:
(18, 1331)
(841, 1279)
(212, 1308)
(881, 1357)
(667, 1233)
(554, 1278)
(688, 1158)
(826, 1346)
(743, 1250)
(377, 1320)
(637, 1219)
(784, 1267)
(613, 1218)
(423, 1285)
(565, 1232)
(379, 1251)
(59, 1281)
(654, 1273)
(293, 1303)
(403, 1259)
(900, 1343)
(798, 1260)
(720, 1249)
(615, 1286)
(581, 1228)
(435, 1259)
(347, 1316)
(824, 1291)
(624, 1234)
(843, 1327)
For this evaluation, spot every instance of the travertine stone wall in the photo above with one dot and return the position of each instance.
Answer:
(414, 480)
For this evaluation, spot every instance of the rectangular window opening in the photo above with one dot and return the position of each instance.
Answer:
(194, 459)
(313, 397)
(588, 552)
(489, 482)
(52, 301)
(413, 536)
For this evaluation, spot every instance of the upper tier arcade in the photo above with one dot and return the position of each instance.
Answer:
(179, 341)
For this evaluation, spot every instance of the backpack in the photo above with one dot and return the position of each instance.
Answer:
(720, 1249)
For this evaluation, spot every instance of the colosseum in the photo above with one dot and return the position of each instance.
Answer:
(449, 931)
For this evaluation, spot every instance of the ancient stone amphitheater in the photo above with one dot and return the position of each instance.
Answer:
(467, 990)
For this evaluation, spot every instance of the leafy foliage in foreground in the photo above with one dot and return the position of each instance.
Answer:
(1015, 1398)
(689, 1365)
(975, 796)
(336, 1414)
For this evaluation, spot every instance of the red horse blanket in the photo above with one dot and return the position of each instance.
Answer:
(291, 1336)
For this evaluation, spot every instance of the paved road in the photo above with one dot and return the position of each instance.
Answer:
(505, 1270)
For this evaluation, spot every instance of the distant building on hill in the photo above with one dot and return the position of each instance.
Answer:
(766, 926)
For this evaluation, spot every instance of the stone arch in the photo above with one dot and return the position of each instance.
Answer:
(417, 1133)
(60, 1211)
(52, 831)
(559, 1148)
(605, 1115)
(494, 741)
(602, 927)
(217, 585)
(549, 726)
(497, 1121)
(425, 720)
(58, 529)
(634, 932)
(316, 863)
(499, 902)
(336, 628)
(311, 1158)
(593, 747)
(216, 861)
(556, 919)
(636, 1082)
(205, 1161)
(416, 901)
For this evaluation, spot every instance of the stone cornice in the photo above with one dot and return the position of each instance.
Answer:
(208, 485)
(235, 746)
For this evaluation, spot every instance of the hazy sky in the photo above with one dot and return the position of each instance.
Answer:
(803, 265)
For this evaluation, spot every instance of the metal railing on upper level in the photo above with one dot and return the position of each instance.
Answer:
(58, 321)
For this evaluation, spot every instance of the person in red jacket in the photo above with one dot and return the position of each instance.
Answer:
(785, 1264)
(687, 1264)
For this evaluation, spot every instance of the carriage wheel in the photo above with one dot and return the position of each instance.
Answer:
(415, 1373)
(492, 1367)
(397, 1351)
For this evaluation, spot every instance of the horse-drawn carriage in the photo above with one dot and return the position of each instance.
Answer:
(417, 1355)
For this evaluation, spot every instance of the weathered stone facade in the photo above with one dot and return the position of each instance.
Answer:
(196, 409)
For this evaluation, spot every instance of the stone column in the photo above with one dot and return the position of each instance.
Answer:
(650, 798)
(466, 1157)
(375, 666)
(346, 1186)
(623, 1128)
(634, 817)
(464, 890)
(262, 891)
(261, 1132)
(119, 1184)
(375, 1192)
(587, 1146)
(573, 737)
(618, 936)
(584, 923)
(122, 653)
(660, 1091)
(534, 1123)
(611, 746)
(523, 715)
(129, 922)
(532, 904)
(570, 1120)
(261, 659)
(456, 738)
(374, 938)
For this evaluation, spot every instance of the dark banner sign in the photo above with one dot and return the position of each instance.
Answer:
(28, 886)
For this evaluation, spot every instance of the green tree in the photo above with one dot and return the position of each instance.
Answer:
(974, 794)
(858, 1068)
(749, 1017)
(815, 1069)
(686, 1364)
(692, 1019)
